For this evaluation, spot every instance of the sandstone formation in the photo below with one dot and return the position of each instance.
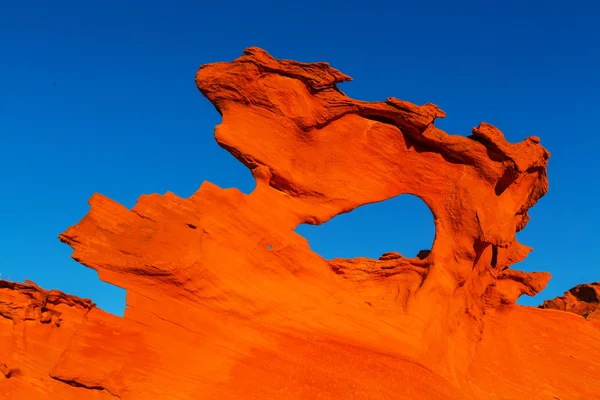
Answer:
(226, 301)
(583, 300)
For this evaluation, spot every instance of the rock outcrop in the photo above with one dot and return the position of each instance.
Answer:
(583, 300)
(226, 301)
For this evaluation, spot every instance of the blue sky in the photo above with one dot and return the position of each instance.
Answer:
(125, 117)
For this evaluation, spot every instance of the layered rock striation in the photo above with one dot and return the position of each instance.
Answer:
(226, 301)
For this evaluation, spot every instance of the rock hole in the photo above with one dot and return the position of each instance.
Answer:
(423, 254)
(191, 226)
(401, 226)
(585, 293)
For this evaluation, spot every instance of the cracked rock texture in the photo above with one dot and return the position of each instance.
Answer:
(226, 301)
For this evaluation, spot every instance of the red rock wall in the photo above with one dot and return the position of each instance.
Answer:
(225, 301)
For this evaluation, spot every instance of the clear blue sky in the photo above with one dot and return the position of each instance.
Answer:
(125, 117)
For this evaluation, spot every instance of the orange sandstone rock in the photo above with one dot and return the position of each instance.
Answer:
(226, 301)
(582, 299)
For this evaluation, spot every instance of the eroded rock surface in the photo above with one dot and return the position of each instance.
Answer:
(226, 301)
(583, 300)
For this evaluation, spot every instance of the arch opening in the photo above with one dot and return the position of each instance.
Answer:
(403, 224)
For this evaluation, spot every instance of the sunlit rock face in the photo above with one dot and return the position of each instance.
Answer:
(226, 301)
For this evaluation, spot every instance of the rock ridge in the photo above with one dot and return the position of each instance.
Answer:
(582, 299)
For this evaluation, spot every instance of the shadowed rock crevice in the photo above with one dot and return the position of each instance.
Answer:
(81, 385)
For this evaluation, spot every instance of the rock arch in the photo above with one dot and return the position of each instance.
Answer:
(402, 225)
